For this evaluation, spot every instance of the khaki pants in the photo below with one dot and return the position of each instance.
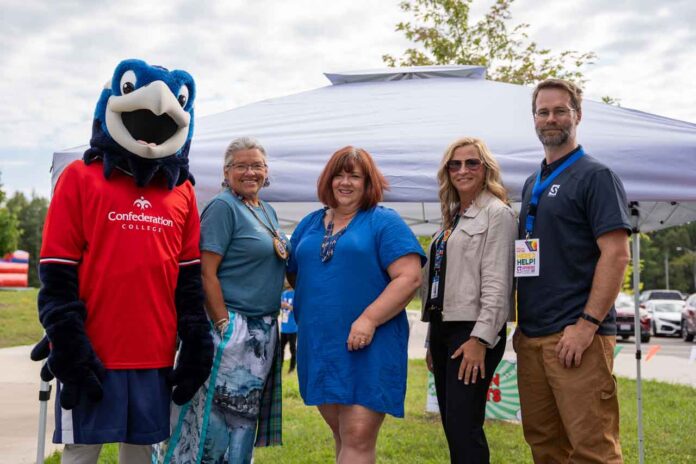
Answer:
(569, 415)
(89, 454)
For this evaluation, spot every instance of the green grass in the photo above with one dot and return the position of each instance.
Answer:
(669, 412)
(19, 319)
(414, 304)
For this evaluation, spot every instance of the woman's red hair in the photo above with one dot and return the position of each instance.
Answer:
(345, 160)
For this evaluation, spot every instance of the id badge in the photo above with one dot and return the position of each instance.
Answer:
(434, 290)
(527, 258)
(285, 316)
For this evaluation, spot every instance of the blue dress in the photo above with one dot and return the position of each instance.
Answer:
(330, 296)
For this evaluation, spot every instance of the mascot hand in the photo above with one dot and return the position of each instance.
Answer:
(71, 359)
(41, 349)
(40, 352)
(193, 365)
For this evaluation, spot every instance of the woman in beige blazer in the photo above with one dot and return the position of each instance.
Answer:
(467, 292)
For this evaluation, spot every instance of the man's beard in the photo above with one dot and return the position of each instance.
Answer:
(553, 140)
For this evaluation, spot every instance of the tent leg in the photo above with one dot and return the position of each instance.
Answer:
(637, 330)
(44, 396)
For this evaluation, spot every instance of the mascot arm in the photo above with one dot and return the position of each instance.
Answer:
(196, 351)
(71, 358)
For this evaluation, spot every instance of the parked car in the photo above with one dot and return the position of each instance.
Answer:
(666, 316)
(626, 316)
(688, 321)
(648, 295)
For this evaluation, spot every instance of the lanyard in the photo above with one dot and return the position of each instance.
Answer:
(540, 186)
(279, 243)
(274, 233)
(441, 243)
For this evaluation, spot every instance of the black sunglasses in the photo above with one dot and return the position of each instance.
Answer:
(472, 164)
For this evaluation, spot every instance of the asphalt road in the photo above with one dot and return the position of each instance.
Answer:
(671, 346)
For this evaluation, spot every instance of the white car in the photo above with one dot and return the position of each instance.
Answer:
(666, 316)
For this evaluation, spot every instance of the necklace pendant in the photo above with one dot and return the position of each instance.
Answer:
(280, 248)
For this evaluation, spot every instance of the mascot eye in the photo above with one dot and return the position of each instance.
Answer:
(128, 81)
(183, 96)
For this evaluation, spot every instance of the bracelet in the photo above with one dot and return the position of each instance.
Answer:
(221, 325)
(591, 319)
(481, 342)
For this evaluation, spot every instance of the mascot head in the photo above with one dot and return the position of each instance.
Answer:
(143, 123)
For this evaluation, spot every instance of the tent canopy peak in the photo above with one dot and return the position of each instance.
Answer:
(405, 73)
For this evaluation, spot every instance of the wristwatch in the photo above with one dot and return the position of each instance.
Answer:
(591, 319)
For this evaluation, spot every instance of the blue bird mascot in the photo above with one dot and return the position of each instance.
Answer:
(120, 272)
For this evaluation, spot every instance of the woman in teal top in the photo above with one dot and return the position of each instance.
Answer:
(243, 259)
(355, 266)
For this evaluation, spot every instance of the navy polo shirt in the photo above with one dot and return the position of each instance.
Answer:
(584, 202)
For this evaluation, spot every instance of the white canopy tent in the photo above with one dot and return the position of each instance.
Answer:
(405, 117)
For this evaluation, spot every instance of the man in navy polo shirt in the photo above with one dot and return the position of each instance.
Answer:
(574, 221)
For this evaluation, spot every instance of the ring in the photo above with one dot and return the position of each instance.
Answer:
(475, 367)
(362, 342)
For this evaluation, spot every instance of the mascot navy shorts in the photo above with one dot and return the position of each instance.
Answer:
(134, 409)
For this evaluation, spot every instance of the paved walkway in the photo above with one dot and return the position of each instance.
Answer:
(662, 367)
(19, 403)
(19, 386)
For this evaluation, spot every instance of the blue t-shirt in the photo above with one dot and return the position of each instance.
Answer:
(330, 296)
(287, 315)
(584, 202)
(250, 273)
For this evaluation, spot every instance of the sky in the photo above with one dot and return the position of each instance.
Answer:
(56, 56)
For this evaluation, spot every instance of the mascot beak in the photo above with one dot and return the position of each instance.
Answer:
(148, 122)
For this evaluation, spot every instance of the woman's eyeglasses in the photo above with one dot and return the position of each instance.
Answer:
(472, 164)
(242, 168)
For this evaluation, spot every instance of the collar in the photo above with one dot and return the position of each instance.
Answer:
(547, 169)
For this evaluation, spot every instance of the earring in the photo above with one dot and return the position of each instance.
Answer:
(225, 184)
(266, 182)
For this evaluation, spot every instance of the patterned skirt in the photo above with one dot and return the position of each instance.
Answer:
(239, 404)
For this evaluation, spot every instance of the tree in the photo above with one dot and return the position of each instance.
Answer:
(31, 215)
(9, 227)
(444, 35)
(675, 243)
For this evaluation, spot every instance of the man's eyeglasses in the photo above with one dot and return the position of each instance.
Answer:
(472, 164)
(242, 168)
(559, 113)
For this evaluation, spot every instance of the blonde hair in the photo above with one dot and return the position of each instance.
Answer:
(449, 197)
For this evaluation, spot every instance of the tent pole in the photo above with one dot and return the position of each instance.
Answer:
(636, 325)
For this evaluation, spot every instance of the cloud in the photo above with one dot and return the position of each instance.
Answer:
(643, 59)
(57, 55)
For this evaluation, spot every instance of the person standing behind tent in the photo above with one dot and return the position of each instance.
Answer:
(574, 216)
(243, 256)
(467, 295)
(288, 327)
(355, 268)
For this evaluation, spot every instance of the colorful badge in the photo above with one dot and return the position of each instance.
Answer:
(527, 257)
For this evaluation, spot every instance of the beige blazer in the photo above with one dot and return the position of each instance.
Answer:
(480, 262)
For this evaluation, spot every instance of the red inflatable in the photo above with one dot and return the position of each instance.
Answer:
(14, 269)
(14, 280)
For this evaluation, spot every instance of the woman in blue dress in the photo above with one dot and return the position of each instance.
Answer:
(355, 266)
